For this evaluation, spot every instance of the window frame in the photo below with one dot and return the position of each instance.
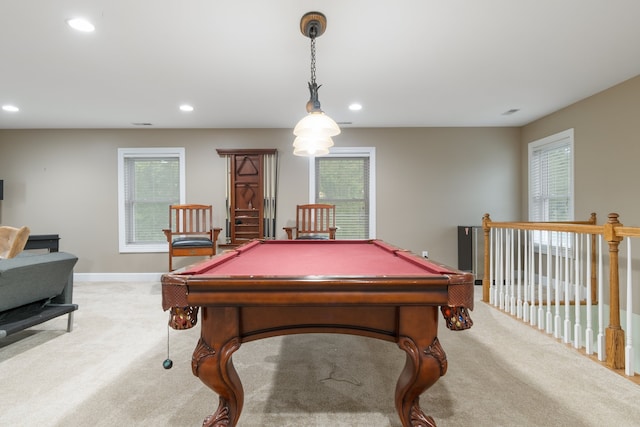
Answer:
(159, 153)
(564, 138)
(552, 142)
(369, 152)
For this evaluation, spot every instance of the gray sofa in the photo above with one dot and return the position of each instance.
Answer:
(35, 288)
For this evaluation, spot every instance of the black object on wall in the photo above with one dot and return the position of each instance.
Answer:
(1, 192)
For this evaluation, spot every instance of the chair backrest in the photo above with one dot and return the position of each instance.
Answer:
(185, 220)
(316, 219)
(12, 240)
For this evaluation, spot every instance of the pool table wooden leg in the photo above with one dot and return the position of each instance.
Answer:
(426, 363)
(212, 363)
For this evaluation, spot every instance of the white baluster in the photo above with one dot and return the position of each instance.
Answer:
(577, 328)
(556, 319)
(540, 277)
(567, 294)
(588, 334)
(527, 279)
(548, 323)
(532, 286)
(512, 282)
(501, 269)
(520, 276)
(628, 350)
(492, 260)
(602, 353)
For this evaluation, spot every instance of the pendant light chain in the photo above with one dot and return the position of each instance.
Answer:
(313, 60)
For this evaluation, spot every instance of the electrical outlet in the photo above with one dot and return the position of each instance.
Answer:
(425, 254)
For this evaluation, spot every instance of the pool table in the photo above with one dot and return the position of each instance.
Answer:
(268, 288)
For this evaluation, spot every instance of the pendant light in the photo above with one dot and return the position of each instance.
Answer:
(313, 133)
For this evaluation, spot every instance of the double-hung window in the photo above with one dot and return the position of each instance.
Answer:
(149, 180)
(346, 178)
(551, 180)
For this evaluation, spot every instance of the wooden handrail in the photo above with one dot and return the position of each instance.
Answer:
(623, 231)
(613, 232)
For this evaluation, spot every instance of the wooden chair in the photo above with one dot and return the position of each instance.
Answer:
(191, 231)
(12, 240)
(315, 221)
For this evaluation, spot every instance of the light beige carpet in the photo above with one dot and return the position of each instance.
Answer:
(108, 372)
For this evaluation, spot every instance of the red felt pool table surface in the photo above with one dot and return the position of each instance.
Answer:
(279, 287)
(319, 258)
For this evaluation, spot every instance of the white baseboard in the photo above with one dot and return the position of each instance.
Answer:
(117, 277)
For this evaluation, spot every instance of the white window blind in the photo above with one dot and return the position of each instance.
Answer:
(551, 183)
(149, 181)
(345, 179)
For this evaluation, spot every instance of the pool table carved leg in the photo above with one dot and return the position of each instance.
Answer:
(215, 369)
(426, 362)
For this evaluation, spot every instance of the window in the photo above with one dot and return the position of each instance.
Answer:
(551, 178)
(551, 181)
(346, 178)
(149, 180)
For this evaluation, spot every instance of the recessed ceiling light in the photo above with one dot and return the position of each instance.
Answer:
(185, 107)
(355, 107)
(81, 24)
(10, 108)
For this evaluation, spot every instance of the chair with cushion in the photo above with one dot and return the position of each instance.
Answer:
(314, 221)
(12, 240)
(191, 231)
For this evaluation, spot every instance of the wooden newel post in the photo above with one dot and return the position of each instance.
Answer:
(614, 335)
(486, 286)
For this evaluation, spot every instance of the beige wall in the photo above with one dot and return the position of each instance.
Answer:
(428, 182)
(607, 150)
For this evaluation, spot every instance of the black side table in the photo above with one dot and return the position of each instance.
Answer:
(43, 241)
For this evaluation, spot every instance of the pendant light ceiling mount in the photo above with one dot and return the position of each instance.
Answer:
(313, 24)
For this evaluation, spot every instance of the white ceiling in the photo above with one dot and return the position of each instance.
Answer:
(245, 64)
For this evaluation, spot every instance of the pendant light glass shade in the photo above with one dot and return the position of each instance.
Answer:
(311, 146)
(316, 124)
(310, 152)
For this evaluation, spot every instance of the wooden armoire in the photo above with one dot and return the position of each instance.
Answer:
(251, 188)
